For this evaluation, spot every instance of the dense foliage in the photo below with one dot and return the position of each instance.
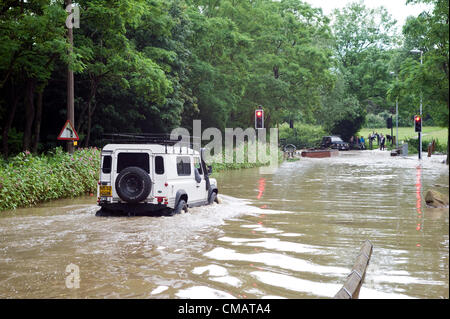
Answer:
(301, 135)
(153, 65)
(27, 179)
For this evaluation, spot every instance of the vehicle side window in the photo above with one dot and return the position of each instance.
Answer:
(197, 165)
(106, 166)
(140, 160)
(159, 165)
(184, 166)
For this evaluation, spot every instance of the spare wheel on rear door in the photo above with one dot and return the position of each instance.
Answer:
(133, 184)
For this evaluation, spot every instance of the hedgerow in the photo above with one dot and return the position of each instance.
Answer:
(219, 162)
(28, 179)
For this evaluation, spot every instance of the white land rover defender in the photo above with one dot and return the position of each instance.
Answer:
(158, 177)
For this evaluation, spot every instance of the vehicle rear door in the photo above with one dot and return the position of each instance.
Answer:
(104, 188)
(124, 158)
(160, 174)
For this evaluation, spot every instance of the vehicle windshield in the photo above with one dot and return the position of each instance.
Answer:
(336, 139)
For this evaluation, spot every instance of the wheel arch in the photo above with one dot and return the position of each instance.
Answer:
(181, 194)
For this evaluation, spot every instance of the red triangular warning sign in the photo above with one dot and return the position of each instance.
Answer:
(68, 132)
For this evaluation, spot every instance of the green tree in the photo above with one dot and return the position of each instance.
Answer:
(273, 54)
(362, 41)
(348, 115)
(116, 64)
(33, 39)
(429, 32)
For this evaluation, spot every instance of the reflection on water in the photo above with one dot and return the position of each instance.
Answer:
(293, 234)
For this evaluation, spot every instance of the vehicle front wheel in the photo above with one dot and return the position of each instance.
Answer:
(213, 198)
(180, 207)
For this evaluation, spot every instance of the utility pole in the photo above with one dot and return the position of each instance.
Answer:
(70, 82)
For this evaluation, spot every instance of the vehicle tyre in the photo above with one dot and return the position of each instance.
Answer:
(180, 206)
(101, 213)
(133, 184)
(104, 212)
(212, 198)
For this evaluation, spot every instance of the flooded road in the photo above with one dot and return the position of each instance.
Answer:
(293, 234)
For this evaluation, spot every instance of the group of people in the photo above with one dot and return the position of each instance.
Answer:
(358, 142)
(381, 140)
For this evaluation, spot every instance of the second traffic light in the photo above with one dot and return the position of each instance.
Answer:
(418, 123)
(389, 122)
(259, 118)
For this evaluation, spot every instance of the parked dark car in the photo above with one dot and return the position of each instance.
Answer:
(334, 142)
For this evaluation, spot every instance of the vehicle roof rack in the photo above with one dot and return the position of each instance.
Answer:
(144, 138)
(150, 138)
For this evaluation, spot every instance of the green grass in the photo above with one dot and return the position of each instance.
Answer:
(428, 133)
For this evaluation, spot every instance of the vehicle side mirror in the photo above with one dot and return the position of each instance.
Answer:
(209, 169)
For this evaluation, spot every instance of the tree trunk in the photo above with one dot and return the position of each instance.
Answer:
(9, 122)
(267, 121)
(448, 139)
(448, 136)
(90, 110)
(37, 122)
(276, 73)
(88, 129)
(29, 113)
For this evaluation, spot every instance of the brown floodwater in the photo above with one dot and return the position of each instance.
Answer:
(292, 234)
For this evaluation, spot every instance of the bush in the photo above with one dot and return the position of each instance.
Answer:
(26, 179)
(302, 135)
(413, 146)
(375, 121)
(218, 161)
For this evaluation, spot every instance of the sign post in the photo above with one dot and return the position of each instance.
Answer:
(70, 81)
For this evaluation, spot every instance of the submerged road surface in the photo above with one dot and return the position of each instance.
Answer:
(293, 234)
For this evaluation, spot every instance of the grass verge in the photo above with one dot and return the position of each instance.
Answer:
(429, 133)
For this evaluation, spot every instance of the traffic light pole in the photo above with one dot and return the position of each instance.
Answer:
(421, 118)
(392, 134)
(420, 132)
(421, 94)
(418, 129)
(396, 122)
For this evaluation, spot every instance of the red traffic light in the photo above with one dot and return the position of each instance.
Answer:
(259, 118)
(418, 123)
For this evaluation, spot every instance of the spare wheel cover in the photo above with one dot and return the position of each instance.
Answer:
(133, 184)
